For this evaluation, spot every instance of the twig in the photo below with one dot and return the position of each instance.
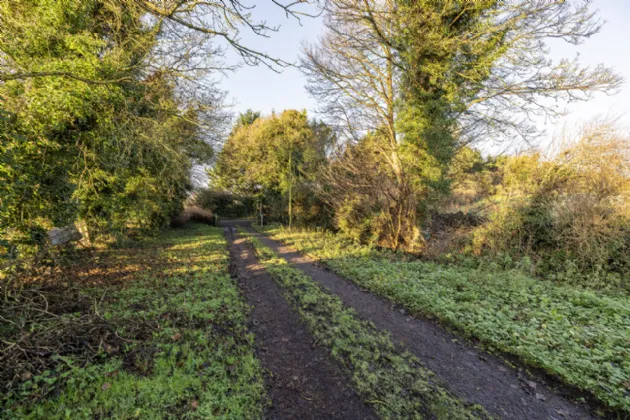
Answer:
(303, 396)
(376, 402)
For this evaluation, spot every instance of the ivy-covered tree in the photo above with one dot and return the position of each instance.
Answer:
(428, 76)
(475, 71)
(92, 129)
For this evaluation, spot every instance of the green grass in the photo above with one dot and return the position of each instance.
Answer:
(194, 359)
(580, 336)
(387, 377)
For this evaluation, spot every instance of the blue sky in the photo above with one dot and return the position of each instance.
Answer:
(261, 89)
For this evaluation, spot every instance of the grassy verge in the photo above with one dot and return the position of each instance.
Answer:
(580, 336)
(165, 338)
(385, 376)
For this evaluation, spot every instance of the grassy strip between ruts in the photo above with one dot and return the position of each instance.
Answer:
(388, 377)
(580, 336)
(194, 359)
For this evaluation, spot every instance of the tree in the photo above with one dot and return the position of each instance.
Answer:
(95, 130)
(272, 157)
(483, 66)
(110, 103)
(433, 75)
(354, 74)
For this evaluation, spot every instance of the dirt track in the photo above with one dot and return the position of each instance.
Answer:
(302, 381)
(467, 372)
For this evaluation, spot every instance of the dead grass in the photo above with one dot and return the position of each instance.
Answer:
(52, 314)
(193, 214)
(566, 211)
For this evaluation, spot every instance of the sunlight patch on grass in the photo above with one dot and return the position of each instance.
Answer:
(192, 358)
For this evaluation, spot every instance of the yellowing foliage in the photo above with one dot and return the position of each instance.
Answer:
(573, 208)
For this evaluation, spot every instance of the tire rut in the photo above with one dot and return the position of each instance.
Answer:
(466, 371)
(302, 381)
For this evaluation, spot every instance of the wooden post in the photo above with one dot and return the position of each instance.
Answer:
(290, 190)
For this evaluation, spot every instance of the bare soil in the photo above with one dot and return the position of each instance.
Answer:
(468, 372)
(303, 382)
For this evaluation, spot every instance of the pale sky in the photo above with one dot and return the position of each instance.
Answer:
(261, 89)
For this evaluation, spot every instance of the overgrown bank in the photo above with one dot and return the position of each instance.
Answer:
(578, 335)
(150, 332)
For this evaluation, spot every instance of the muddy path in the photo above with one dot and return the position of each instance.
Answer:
(466, 371)
(302, 381)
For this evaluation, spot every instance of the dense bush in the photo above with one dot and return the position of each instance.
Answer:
(226, 204)
(370, 202)
(193, 214)
(569, 215)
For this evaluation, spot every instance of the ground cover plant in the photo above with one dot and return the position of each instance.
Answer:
(155, 331)
(390, 379)
(578, 335)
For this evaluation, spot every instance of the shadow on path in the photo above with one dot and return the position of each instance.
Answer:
(303, 382)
